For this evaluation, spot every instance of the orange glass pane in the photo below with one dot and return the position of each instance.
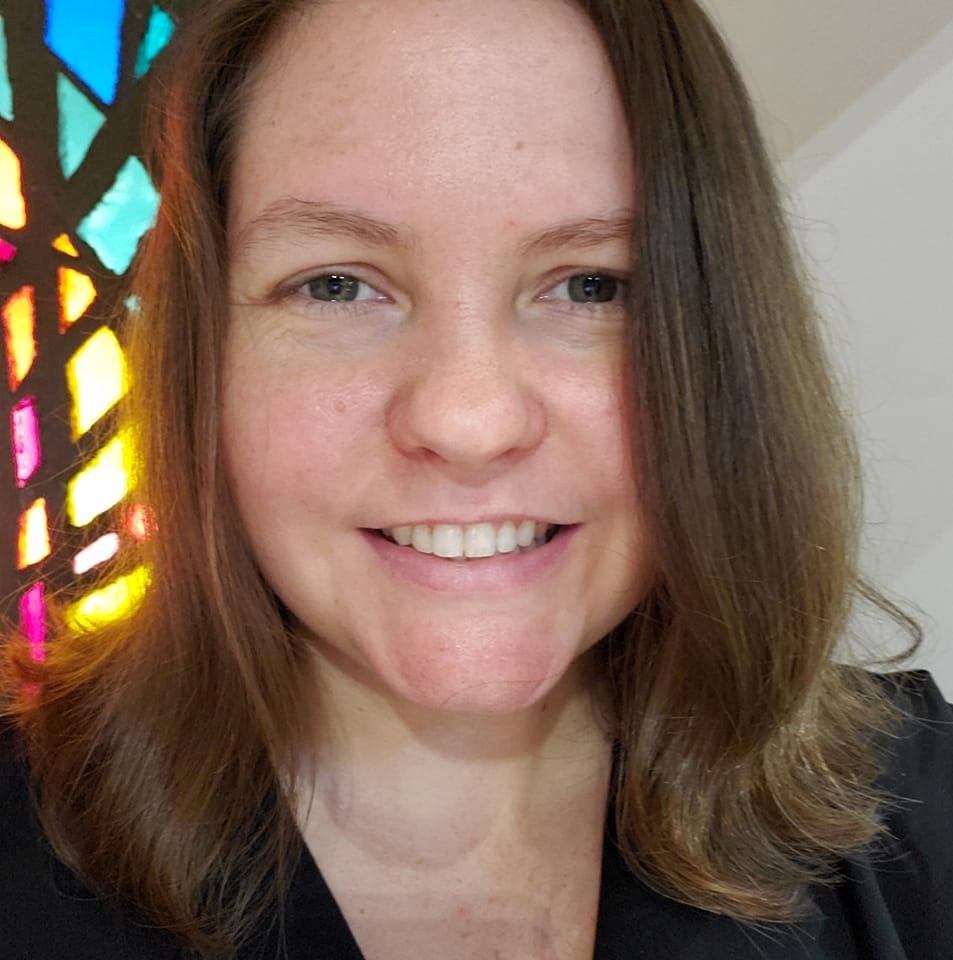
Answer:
(12, 204)
(18, 324)
(77, 292)
(33, 544)
(65, 245)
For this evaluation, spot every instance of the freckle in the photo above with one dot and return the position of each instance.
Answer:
(340, 406)
(520, 144)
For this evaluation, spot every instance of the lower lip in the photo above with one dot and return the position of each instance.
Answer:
(506, 571)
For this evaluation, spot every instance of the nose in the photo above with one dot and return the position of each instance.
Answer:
(467, 401)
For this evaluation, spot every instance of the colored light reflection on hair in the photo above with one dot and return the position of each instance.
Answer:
(18, 323)
(77, 292)
(12, 204)
(114, 227)
(80, 121)
(158, 34)
(96, 376)
(33, 544)
(99, 551)
(99, 486)
(25, 431)
(140, 522)
(87, 41)
(112, 602)
(33, 620)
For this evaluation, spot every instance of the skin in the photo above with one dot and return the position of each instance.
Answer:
(457, 740)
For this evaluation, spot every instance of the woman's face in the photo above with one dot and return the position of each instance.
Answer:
(428, 227)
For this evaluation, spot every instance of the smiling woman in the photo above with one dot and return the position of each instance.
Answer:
(507, 526)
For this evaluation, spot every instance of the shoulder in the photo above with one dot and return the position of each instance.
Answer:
(899, 887)
(45, 911)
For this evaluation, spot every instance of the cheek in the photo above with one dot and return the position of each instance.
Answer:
(288, 436)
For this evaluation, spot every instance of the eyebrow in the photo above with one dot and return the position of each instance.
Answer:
(301, 220)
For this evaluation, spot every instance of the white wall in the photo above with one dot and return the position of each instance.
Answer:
(872, 200)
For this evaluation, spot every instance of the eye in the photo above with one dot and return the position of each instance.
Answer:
(583, 288)
(338, 288)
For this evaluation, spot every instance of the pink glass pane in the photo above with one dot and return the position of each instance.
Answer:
(33, 620)
(25, 429)
(7, 251)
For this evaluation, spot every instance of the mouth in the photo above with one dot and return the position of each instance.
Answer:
(472, 542)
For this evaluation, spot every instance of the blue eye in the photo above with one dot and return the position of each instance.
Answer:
(337, 288)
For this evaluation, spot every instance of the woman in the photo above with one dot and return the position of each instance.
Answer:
(507, 527)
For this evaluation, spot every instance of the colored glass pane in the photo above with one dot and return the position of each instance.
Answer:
(65, 245)
(87, 41)
(80, 121)
(111, 602)
(96, 376)
(140, 521)
(33, 544)
(6, 91)
(25, 430)
(114, 227)
(12, 204)
(99, 551)
(33, 619)
(77, 292)
(18, 324)
(98, 486)
(158, 34)
(7, 251)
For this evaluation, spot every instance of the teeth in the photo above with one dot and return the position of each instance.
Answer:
(473, 541)
(421, 539)
(526, 533)
(447, 540)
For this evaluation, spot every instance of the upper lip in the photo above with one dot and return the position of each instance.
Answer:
(496, 520)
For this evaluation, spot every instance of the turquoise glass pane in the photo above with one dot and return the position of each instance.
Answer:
(114, 227)
(158, 34)
(80, 121)
(85, 36)
(6, 93)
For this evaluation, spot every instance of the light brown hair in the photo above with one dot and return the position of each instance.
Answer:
(163, 746)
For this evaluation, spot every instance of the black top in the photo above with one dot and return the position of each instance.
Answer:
(894, 902)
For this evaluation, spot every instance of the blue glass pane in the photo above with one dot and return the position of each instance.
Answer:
(80, 121)
(6, 94)
(85, 36)
(114, 227)
(158, 34)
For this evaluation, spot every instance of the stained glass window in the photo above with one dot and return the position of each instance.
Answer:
(75, 202)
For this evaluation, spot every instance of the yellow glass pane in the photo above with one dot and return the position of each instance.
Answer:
(65, 245)
(33, 544)
(98, 486)
(21, 343)
(12, 205)
(96, 376)
(115, 600)
(77, 292)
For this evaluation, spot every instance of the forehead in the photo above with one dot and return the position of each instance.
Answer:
(408, 105)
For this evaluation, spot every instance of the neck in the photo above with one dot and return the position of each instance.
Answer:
(407, 784)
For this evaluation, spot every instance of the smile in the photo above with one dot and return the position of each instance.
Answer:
(472, 541)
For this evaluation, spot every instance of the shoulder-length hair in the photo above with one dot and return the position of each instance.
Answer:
(163, 746)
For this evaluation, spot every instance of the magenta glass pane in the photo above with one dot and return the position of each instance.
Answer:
(33, 620)
(7, 251)
(25, 429)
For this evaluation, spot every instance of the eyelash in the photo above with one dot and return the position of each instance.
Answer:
(298, 289)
